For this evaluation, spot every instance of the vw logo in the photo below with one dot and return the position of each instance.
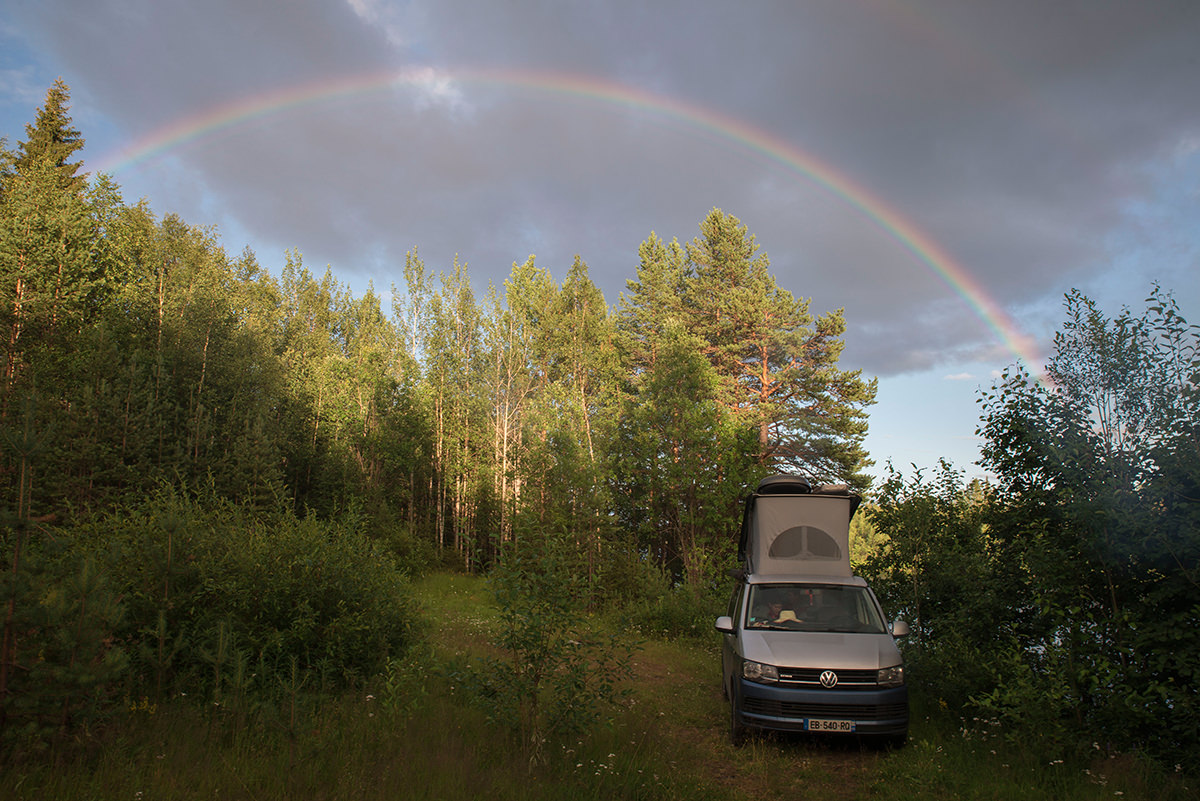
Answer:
(828, 679)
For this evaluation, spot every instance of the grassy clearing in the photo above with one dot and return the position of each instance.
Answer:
(417, 739)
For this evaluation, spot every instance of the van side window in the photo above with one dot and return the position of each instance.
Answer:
(735, 604)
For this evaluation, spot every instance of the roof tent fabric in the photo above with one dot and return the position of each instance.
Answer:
(800, 534)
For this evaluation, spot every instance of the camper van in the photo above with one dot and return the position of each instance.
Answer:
(807, 647)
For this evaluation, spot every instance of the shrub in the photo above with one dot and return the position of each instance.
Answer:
(555, 677)
(680, 611)
(62, 663)
(209, 587)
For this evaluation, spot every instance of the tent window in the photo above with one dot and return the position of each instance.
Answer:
(804, 542)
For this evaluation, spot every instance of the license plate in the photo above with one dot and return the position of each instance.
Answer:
(842, 726)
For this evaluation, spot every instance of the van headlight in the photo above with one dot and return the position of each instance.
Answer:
(757, 671)
(891, 677)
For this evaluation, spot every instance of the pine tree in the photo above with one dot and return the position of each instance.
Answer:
(776, 364)
(50, 278)
(655, 300)
(52, 140)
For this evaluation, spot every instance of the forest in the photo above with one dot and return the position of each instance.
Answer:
(215, 480)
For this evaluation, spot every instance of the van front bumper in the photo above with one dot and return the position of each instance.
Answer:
(781, 708)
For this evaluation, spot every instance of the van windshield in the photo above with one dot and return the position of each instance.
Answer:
(813, 607)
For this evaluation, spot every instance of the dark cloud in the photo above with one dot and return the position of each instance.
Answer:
(1016, 135)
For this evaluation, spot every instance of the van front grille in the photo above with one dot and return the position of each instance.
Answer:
(847, 679)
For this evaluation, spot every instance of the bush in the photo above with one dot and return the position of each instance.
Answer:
(210, 590)
(680, 611)
(625, 578)
(557, 677)
(62, 661)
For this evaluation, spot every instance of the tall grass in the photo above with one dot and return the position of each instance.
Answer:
(409, 734)
(347, 748)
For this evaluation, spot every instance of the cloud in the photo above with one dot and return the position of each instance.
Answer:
(958, 377)
(438, 89)
(1014, 137)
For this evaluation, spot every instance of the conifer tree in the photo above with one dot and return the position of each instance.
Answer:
(52, 139)
(655, 300)
(49, 278)
(777, 365)
(681, 460)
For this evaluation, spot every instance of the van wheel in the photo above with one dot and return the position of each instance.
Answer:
(737, 730)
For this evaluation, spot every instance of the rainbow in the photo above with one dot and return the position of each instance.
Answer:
(723, 127)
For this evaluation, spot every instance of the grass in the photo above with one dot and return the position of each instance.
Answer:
(417, 739)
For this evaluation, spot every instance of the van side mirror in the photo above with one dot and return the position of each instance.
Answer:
(899, 628)
(724, 624)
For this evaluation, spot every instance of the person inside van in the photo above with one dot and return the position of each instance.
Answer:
(799, 601)
(766, 608)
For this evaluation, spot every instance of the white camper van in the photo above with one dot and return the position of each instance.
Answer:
(806, 645)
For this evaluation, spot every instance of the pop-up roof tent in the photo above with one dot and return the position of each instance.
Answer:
(793, 528)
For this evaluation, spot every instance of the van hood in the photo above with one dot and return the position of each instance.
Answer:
(819, 649)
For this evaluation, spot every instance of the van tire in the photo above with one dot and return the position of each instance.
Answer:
(737, 729)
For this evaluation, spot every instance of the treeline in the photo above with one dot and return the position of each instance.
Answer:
(137, 352)
(1060, 604)
(214, 478)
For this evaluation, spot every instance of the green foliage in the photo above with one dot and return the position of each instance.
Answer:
(680, 611)
(681, 462)
(1090, 471)
(935, 570)
(57, 658)
(214, 594)
(1062, 602)
(865, 536)
(51, 139)
(662, 746)
(775, 364)
(556, 677)
(63, 667)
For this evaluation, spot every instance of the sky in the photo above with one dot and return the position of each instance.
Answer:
(944, 172)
